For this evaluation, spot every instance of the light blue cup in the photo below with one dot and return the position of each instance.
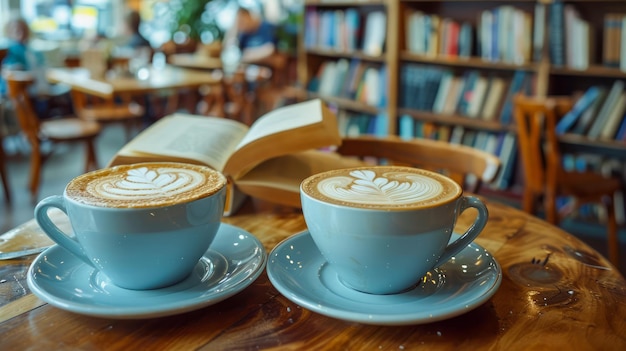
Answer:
(137, 248)
(381, 249)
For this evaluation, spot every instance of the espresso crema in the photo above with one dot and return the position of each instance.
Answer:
(145, 185)
(382, 187)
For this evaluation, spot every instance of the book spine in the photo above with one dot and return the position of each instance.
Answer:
(517, 84)
(612, 40)
(621, 132)
(539, 30)
(622, 56)
(603, 114)
(579, 107)
(556, 33)
(406, 127)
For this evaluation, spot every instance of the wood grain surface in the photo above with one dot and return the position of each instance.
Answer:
(556, 293)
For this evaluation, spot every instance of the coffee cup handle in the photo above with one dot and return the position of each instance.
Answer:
(51, 229)
(472, 232)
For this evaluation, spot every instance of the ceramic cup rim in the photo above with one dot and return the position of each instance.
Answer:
(409, 208)
(218, 189)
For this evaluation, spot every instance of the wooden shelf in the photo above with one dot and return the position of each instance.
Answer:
(465, 121)
(580, 143)
(473, 62)
(339, 54)
(594, 70)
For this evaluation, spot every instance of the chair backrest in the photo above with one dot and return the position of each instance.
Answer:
(456, 161)
(536, 119)
(17, 90)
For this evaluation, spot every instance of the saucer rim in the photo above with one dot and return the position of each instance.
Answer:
(408, 318)
(151, 311)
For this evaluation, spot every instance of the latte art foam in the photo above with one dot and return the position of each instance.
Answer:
(390, 188)
(145, 185)
(382, 187)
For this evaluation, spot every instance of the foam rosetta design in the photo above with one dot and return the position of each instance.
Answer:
(388, 188)
(148, 183)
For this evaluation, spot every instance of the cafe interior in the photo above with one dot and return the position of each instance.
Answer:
(197, 71)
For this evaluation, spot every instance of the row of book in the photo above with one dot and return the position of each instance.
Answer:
(501, 144)
(571, 37)
(345, 30)
(353, 124)
(354, 80)
(599, 113)
(614, 41)
(503, 34)
(473, 94)
(430, 35)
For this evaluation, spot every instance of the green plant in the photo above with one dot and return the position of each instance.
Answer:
(196, 19)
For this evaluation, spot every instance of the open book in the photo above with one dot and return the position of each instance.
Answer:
(268, 160)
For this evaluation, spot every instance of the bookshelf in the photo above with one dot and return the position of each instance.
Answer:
(321, 44)
(535, 44)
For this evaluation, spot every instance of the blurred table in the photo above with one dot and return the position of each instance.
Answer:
(167, 77)
(557, 293)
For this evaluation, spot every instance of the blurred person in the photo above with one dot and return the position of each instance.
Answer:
(257, 40)
(135, 38)
(49, 101)
(19, 56)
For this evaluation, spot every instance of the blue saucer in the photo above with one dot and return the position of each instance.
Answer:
(298, 271)
(236, 258)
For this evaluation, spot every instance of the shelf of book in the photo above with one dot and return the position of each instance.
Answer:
(348, 57)
(491, 50)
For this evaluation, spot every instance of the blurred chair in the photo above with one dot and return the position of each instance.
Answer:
(124, 111)
(70, 129)
(456, 161)
(544, 174)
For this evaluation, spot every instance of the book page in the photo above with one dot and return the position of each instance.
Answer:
(284, 118)
(210, 140)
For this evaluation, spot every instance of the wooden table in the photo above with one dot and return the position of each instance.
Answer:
(169, 77)
(577, 300)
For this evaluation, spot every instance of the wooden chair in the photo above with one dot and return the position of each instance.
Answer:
(544, 174)
(126, 111)
(456, 161)
(122, 110)
(70, 129)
